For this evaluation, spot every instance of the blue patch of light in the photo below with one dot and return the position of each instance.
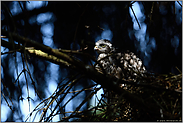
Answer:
(107, 34)
(35, 4)
(15, 8)
(145, 44)
(43, 17)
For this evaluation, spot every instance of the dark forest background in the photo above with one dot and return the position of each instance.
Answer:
(78, 25)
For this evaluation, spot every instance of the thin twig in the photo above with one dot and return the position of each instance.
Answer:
(68, 88)
(179, 3)
(135, 17)
(7, 102)
(26, 77)
(19, 75)
(7, 91)
(175, 105)
(152, 8)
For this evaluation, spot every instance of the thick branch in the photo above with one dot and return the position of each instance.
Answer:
(54, 55)
(37, 53)
(44, 48)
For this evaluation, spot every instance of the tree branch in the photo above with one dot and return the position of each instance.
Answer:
(53, 55)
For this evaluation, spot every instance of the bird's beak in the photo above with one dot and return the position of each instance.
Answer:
(95, 48)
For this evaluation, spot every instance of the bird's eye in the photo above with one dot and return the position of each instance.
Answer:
(102, 45)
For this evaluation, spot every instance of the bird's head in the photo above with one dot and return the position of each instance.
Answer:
(103, 46)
